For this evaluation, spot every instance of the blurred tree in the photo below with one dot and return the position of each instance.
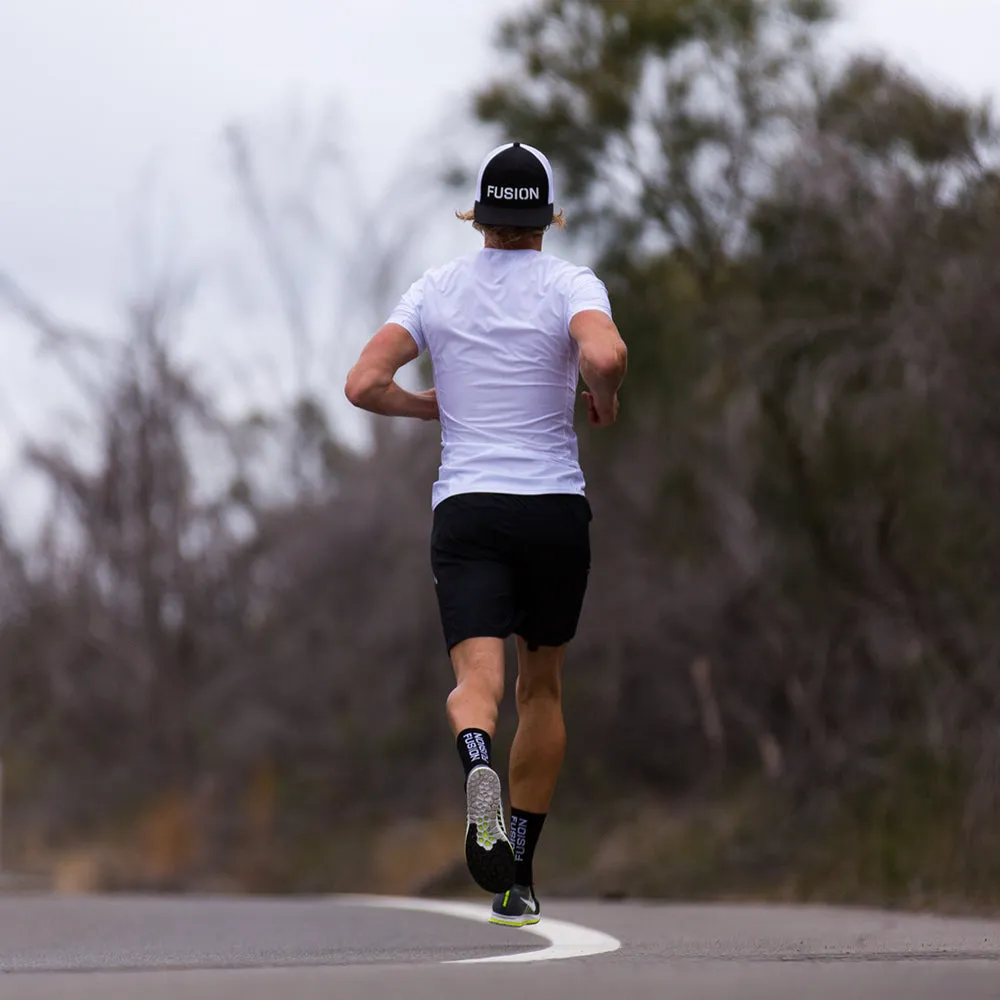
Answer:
(779, 233)
(668, 121)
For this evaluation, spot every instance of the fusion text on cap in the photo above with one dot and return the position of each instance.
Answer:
(513, 193)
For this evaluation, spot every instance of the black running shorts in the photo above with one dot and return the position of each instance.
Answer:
(506, 564)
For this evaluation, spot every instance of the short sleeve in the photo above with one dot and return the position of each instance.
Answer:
(586, 291)
(408, 313)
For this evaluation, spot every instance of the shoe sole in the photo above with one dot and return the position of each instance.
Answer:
(524, 921)
(487, 850)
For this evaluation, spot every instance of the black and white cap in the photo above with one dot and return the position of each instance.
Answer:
(515, 188)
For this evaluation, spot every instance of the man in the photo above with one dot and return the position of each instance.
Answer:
(508, 329)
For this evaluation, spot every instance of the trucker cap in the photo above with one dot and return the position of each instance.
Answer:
(515, 188)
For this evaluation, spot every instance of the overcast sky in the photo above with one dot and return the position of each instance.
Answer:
(97, 96)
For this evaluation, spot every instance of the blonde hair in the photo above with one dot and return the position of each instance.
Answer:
(503, 235)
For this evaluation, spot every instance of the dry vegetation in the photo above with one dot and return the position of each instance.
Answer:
(787, 682)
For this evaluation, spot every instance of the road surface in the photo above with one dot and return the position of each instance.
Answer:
(85, 948)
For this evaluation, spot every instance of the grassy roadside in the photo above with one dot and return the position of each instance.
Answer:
(922, 841)
(915, 844)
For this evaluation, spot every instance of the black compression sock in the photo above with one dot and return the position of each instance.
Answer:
(525, 829)
(474, 748)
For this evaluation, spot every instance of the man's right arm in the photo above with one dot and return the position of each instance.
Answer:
(603, 363)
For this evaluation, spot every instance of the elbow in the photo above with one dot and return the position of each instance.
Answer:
(365, 387)
(357, 388)
(611, 363)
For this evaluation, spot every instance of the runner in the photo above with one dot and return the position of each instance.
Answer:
(508, 329)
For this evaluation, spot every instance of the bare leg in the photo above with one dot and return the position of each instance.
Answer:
(539, 746)
(479, 677)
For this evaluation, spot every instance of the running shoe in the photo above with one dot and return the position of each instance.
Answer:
(517, 907)
(487, 850)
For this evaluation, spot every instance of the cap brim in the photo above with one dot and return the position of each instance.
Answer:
(502, 215)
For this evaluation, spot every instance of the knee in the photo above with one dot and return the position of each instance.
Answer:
(478, 686)
(543, 688)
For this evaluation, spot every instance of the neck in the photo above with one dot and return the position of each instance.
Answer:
(530, 241)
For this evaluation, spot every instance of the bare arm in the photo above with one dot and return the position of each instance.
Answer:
(371, 382)
(603, 363)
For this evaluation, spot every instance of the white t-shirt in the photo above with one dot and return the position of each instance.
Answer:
(496, 324)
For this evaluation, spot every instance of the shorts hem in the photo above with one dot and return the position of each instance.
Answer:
(546, 643)
(452, 641)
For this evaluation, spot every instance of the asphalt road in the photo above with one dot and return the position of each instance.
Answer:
(347, 948)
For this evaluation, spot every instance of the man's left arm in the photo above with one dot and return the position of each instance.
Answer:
(371, 382)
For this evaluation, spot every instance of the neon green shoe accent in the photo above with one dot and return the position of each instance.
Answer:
(524, 921)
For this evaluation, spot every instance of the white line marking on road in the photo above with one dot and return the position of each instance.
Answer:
(566, 940)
